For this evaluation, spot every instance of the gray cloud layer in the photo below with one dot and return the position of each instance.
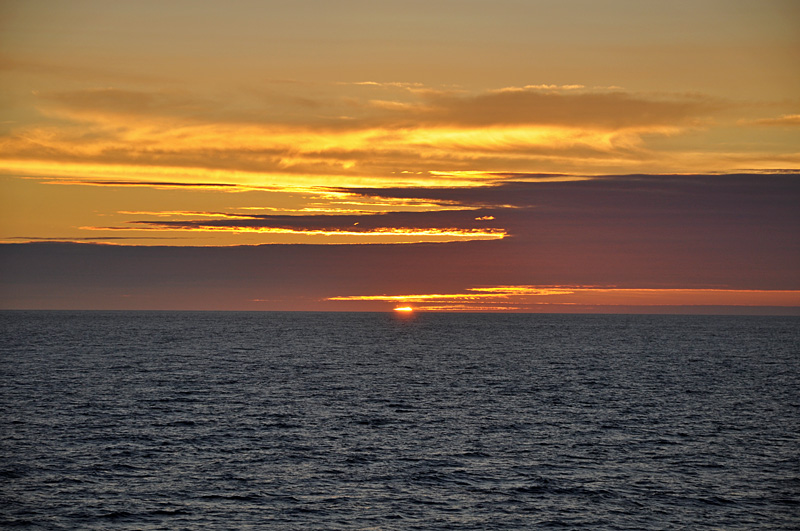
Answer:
(680, 231)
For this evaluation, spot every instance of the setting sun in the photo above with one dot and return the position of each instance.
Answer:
(404, 309)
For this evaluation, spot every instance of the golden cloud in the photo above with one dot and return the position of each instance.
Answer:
(110, 133)
(396, 235)
(787, 120)
(515, 298)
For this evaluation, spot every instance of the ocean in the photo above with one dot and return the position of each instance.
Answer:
(205, 420)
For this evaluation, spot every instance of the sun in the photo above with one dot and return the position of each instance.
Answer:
(404, 309)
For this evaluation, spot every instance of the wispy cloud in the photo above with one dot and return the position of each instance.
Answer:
(99, 239)
(787, 120)
(394, 235)
(392, 227)
(516, 298)
(413, 139)
(541, 87)
(151, 184)
(592, 109)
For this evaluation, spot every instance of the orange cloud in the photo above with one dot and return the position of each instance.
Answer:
(378, 235)
(112, 133)
(515, 298)
(590, 109)
(787, 120)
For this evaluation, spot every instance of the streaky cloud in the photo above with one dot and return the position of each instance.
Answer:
(428, 133)
(516, 298)
(787, 120)
(154, 184)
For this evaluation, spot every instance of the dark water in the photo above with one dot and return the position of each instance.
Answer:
(376, 421)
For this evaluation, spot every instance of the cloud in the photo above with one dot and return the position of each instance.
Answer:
(416, 137)
(382, 235)
(617, 220)
(540, 87)
(120, 102)
(153, 184)
(99, 239)
(300, 277)
(426, 220)
(787, 120)
(528, 297)
(47, 68)
(699, 239)
(399, 227)
(406, 140)
(605, 110)
(389, 84)
(533, 105)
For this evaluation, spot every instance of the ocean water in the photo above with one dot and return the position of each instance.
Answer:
(181, 420)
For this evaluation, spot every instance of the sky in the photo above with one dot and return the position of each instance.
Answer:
(446, 155)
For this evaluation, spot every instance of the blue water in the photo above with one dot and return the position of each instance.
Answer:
(180, 420)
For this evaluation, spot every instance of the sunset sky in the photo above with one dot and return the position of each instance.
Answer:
(445, 155)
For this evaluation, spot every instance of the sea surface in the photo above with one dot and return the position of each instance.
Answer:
(182, 420)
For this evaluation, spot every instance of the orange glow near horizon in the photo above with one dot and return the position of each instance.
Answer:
(404, 309)
(520, 298)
